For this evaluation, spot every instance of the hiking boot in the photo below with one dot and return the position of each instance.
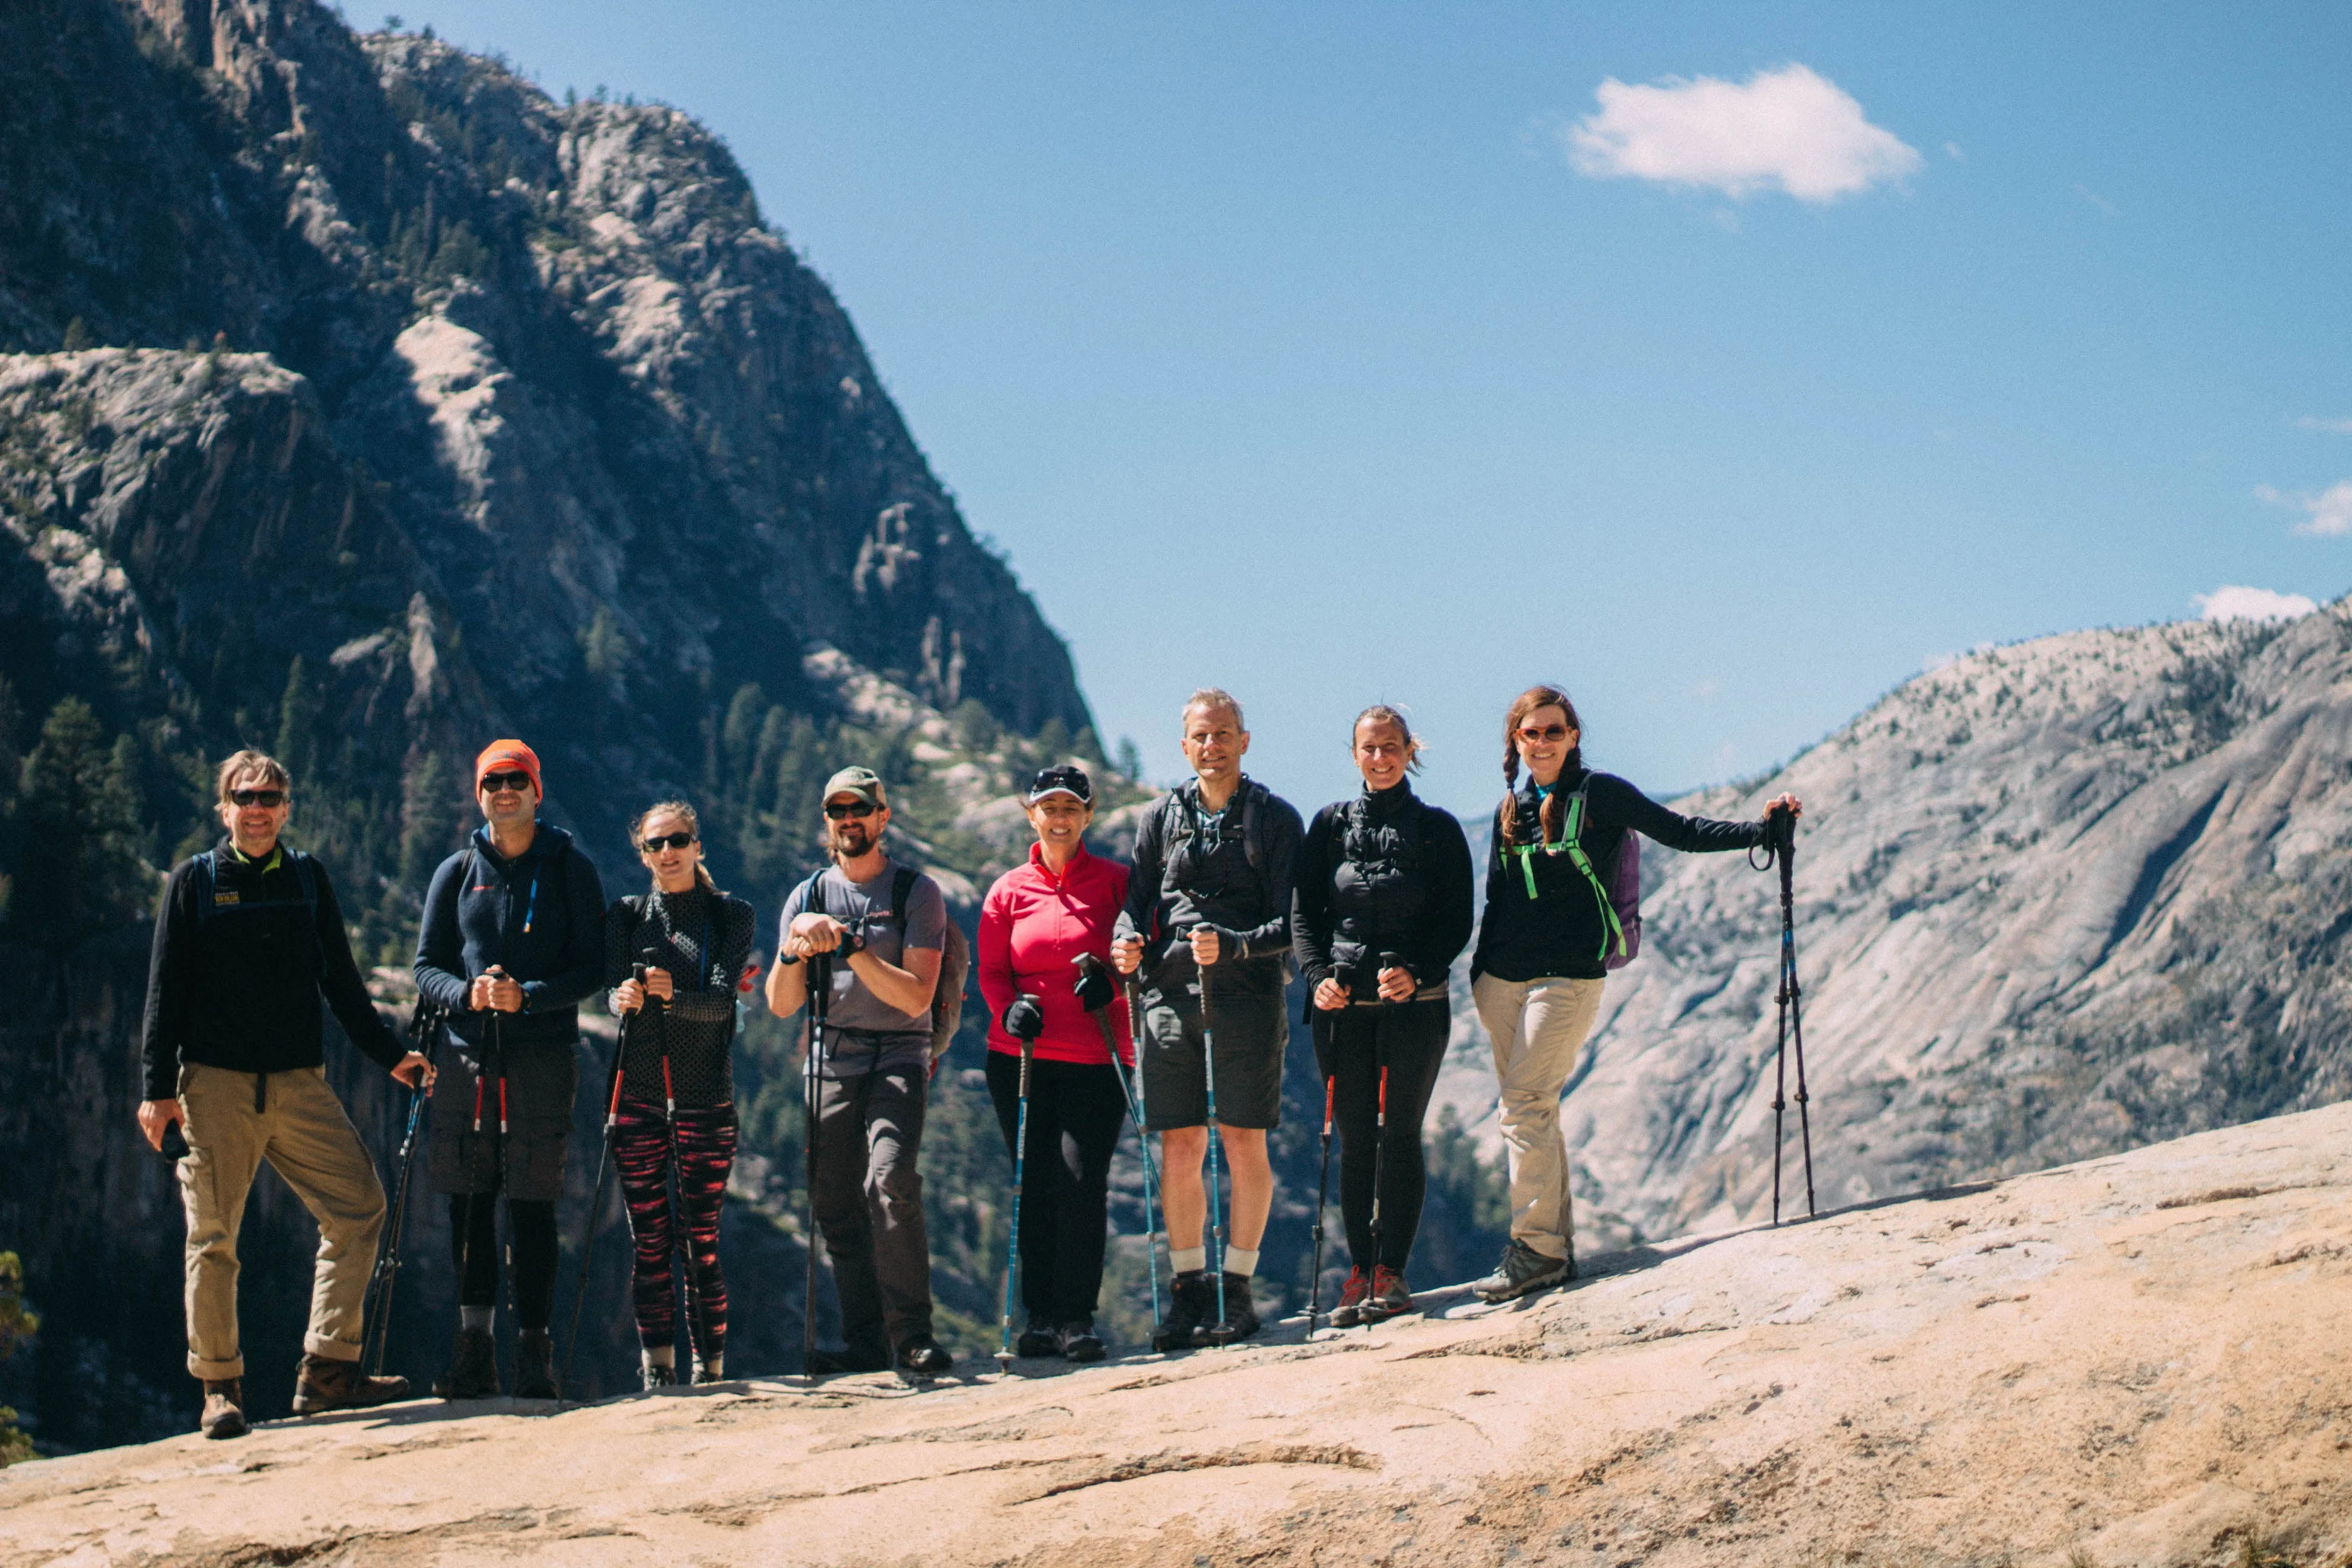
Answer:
(1038, 1340)
(1191, 1301)
(1522, 1269)
(1079, 1343)
(713, 1370)
(659, 1374)
(473, 1368)
(848, 1359)
(320, 1384)
(1240, 1320)
(1352, 1295)
(535, 1365)
(223, 1408)
(1389, 1296)
(922, 1357)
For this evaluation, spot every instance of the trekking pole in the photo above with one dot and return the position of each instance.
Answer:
(819, 1004)
(698, 1331)
(377, 1311)
(1379, 1113)
(1216, 1200)
(1780, 840)
(1154, 1199)
(596, 1199)
(1020, 1167)
(1322, 1198)
(1092, 971)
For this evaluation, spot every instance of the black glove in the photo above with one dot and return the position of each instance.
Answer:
(1024, 1020)
(1094, 989)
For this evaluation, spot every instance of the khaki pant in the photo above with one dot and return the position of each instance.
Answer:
(303, 1133)
(1536, 1027)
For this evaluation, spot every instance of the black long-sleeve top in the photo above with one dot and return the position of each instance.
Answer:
(1560, 930)
(237, 984)
(1194, 867)
(1386, 872)
(539, 916)
(703, 940)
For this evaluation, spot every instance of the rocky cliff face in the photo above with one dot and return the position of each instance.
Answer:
(360, 402)
(2053, 900)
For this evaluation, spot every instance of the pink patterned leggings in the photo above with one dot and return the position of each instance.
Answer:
(706, 1153)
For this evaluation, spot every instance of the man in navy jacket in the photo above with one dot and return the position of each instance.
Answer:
(513, 938)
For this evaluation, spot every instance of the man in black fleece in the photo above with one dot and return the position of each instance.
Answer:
(513, 938)
(249, 938)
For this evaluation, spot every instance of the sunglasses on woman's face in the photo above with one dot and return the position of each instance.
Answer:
(668, 841)
(856, 808)
(268, 799)
(1532, 734)
(502, 783)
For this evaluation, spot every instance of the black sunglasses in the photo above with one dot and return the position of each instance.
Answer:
(667, 841)
(499, 784)
(857, 808)
(268, 799)
(1530, 734)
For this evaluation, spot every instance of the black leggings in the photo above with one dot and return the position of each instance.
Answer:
(1410, 1037)
(1077, 1112)
(531, 1229)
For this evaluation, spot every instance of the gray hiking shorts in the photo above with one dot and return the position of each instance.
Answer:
(1252, 1031)
(539, 1080)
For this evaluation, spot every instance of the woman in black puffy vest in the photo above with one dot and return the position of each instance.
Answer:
(1382, 906)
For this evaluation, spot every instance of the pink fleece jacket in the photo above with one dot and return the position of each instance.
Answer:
(1033, 926)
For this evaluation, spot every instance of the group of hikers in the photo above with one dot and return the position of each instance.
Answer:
(1080, 960)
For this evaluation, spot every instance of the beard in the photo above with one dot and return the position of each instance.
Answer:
(852, 838)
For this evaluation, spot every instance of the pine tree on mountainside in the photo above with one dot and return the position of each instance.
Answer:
(17, 1326)
(80, 868)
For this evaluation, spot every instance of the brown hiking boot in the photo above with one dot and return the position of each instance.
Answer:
(223, 1408)
(321, 1384)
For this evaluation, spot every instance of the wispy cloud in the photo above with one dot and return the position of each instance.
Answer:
(2234, 603)
(2327, 513)
(2333, 426)
(1952, 151)
(1787, 130)
(2097, 200)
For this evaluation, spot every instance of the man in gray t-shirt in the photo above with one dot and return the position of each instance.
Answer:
(875, 1067)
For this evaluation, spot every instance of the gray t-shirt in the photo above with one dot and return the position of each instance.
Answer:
(867, 1034)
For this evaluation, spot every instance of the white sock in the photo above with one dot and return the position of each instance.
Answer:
(712, 1367)
(1188, 1259)
(477, 1317)
(661, 1355)
(1241, 1260)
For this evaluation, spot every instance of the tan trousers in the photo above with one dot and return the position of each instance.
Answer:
(303, 1133)
(1536, 1027)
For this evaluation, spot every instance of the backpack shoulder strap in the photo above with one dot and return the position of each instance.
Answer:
(209, 870)
(1253, 835)
(902, 888)
(307, 869)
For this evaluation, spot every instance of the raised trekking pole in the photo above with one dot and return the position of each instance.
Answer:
(1216, 1177)
(1025, 1031)
(596, 1197)
(425, 1027)
(1780, 841)
(820, 1005)
(1094, 993)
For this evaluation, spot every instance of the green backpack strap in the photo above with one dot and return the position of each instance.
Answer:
(1570, 843)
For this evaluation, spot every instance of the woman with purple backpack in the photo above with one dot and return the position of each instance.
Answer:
(1551, 931)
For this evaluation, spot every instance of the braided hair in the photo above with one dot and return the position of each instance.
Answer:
(1532, 700)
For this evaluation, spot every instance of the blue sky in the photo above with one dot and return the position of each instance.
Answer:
(1288, 348)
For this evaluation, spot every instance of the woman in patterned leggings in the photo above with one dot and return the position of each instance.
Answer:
(678, 1093)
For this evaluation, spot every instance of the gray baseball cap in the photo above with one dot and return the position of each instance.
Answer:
(862, 782)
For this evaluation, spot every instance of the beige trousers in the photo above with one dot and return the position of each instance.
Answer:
(1536, 1027)
(303, 1133)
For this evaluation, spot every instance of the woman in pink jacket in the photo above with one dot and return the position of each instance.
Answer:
(1034, 924)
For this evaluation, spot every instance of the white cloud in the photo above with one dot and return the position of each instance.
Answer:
(2106, 206)
(2239, 604)
(1787, 130)
(2327, 513)
(2333, 426)
(1952, 151)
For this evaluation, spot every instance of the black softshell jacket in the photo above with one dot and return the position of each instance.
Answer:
(540, 916)
(237, 985)
(1559, 931)
(1396, 879)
